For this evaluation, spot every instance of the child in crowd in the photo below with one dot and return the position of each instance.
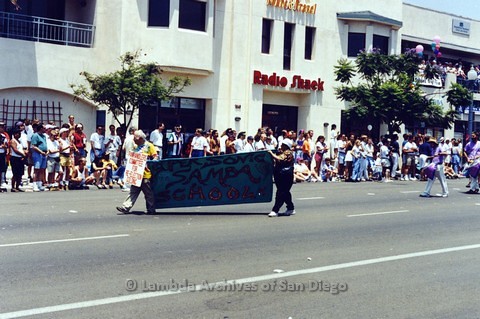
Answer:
(328, 172)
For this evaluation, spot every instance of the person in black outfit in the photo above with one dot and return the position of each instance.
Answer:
(283, 174)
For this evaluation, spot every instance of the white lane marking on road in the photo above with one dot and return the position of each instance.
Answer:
(307, 198)
(145, 295)
(62, 240)
(380, 213)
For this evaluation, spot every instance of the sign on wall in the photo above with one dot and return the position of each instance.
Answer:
(460, 26)
(294, 5)
(298, 82)
(214, 180)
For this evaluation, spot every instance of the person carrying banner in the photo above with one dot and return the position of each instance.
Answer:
(283, 174)
(147, 148)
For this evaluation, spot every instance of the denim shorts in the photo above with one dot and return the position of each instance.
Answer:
(39, 160)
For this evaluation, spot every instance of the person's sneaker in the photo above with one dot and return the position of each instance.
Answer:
(424, 195)
(125, 190)
(413, 178)
(272, 214)
(290, 212)
(444, 195)
(35, 188)
(122, 209)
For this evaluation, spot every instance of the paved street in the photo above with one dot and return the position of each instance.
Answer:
(353, 250)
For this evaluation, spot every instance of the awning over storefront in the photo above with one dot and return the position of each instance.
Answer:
(370, 17)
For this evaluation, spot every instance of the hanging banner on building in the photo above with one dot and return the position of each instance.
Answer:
(215, 180)
(135, 167)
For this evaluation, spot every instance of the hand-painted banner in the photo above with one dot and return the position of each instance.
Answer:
(135, 168)
(214, 180)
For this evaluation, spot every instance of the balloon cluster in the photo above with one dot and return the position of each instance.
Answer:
(435, 48)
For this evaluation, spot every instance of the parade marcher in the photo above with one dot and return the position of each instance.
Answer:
(283, 174)
(148, 149)
(435, 169)
(472, 152)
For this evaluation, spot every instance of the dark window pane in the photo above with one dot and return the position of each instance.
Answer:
(266, 35)
(381, 42)
(287, 45)
(356, 43)
(192, 15)
(158, 13)
(309, 41)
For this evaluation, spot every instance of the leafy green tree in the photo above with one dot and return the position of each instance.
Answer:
(126, 90)
(385, 90)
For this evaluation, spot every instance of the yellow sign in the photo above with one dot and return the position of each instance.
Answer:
(293, 5)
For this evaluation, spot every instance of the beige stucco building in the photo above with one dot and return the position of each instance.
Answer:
(252, 63)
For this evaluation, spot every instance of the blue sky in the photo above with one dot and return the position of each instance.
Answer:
(464, 8)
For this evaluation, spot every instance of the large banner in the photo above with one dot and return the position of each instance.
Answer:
(214, 180)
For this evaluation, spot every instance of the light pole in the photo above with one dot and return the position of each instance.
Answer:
(471, 76)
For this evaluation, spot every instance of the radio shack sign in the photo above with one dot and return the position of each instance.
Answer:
(297, 81)
(294, 5)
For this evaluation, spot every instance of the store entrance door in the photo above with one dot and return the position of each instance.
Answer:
(280, 117)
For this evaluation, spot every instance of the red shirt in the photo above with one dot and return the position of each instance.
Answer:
(78, 140)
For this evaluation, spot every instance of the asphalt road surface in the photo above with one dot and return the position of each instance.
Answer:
(353, 250)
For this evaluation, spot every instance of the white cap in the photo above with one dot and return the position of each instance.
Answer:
(63, 129)
(139, 133)
(288, 142)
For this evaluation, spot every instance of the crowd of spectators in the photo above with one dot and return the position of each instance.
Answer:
(434, 72)
(61, 158)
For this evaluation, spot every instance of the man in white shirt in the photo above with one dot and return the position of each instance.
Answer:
(156, 138)
(97, 143)
(112, 143)
(240, 142)
(249, 146)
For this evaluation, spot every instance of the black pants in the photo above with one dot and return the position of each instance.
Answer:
(284, 182)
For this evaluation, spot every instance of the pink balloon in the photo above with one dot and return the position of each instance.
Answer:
(437, 46)
(436, 39)
(439, 54)
(419, 48)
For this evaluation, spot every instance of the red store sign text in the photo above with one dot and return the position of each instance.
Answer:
(297, 81)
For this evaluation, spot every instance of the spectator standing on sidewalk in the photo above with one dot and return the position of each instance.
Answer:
(148, 149)
(3, 156)
(16, 160)
(39, 156)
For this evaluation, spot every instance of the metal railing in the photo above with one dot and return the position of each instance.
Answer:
(31, 28)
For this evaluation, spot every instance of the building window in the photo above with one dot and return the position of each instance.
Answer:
(309, 41)
(158, 13)
(192, 15)
(266, 35)
(356, 43)
(287, 45)
(381, 42)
